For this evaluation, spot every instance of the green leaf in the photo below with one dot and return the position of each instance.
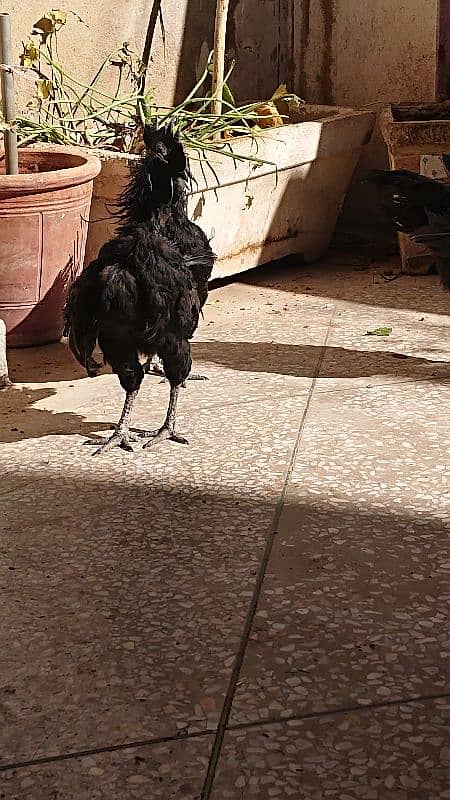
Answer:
(227, 95)
(379, 332)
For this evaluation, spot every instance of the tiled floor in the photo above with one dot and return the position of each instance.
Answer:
(262, 614)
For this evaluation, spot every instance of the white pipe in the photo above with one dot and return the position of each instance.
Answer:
(7, 83)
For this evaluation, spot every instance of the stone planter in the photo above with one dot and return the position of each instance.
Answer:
(44, 215)
(257, 215)
(416, 137)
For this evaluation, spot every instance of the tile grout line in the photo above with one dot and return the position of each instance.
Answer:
(229, 697)
(111, 748)
(239, 726)
(331, 712)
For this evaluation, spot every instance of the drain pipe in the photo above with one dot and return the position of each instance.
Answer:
(7, 82)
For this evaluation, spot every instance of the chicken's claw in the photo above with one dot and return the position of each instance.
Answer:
(165, 432)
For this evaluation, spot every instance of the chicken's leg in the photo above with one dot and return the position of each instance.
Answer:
(122, 437)
(154, 367)
(167, 430)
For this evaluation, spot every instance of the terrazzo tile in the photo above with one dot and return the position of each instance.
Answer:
(396, 753)
(355, 604)
(363, 284)
(126, 579)
(160, 771)
(418, 348)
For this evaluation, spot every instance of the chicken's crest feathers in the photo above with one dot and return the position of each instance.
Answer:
(158, 178)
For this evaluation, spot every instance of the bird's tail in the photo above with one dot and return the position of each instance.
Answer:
(81, 323)
(407, 196)
(410, 185)
(436, 237)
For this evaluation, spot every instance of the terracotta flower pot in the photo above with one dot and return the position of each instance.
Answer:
(44, 215)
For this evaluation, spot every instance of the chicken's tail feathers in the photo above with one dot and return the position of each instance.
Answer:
(388, 177)
(406, 187)
(81, 324)
(436, 237)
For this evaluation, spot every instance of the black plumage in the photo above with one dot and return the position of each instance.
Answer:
(419, 207)
(143, 294)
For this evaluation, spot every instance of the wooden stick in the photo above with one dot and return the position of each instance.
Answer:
(7, 82)
(218, 73)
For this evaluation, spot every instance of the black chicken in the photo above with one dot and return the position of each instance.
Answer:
(419, 207)
(144, 293)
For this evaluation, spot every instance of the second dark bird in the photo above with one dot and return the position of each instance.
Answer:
(420, 207)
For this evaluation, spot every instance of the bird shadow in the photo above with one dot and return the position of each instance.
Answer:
(20, 418)
(301, 360)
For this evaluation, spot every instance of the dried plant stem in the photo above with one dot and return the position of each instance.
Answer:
(220, 33)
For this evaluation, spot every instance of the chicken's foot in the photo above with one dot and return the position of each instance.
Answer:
(167, 430)
(122, 436)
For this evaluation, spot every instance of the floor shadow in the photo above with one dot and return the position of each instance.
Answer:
(90, 563)
(20, 420)
(300, 360)
(54, 363)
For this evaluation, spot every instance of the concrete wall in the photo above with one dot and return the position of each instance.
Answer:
(360, 52)
(82, 48)
(352, 52)
(179, 46)
(444, 51)
(348, 52)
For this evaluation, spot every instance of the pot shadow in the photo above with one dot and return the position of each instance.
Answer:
(50, 362)
(342, 275)
(45, 318)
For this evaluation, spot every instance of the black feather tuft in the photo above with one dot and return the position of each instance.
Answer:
(145, 291)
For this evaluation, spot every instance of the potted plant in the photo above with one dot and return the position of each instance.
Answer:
(269, 177)
(44, 211)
